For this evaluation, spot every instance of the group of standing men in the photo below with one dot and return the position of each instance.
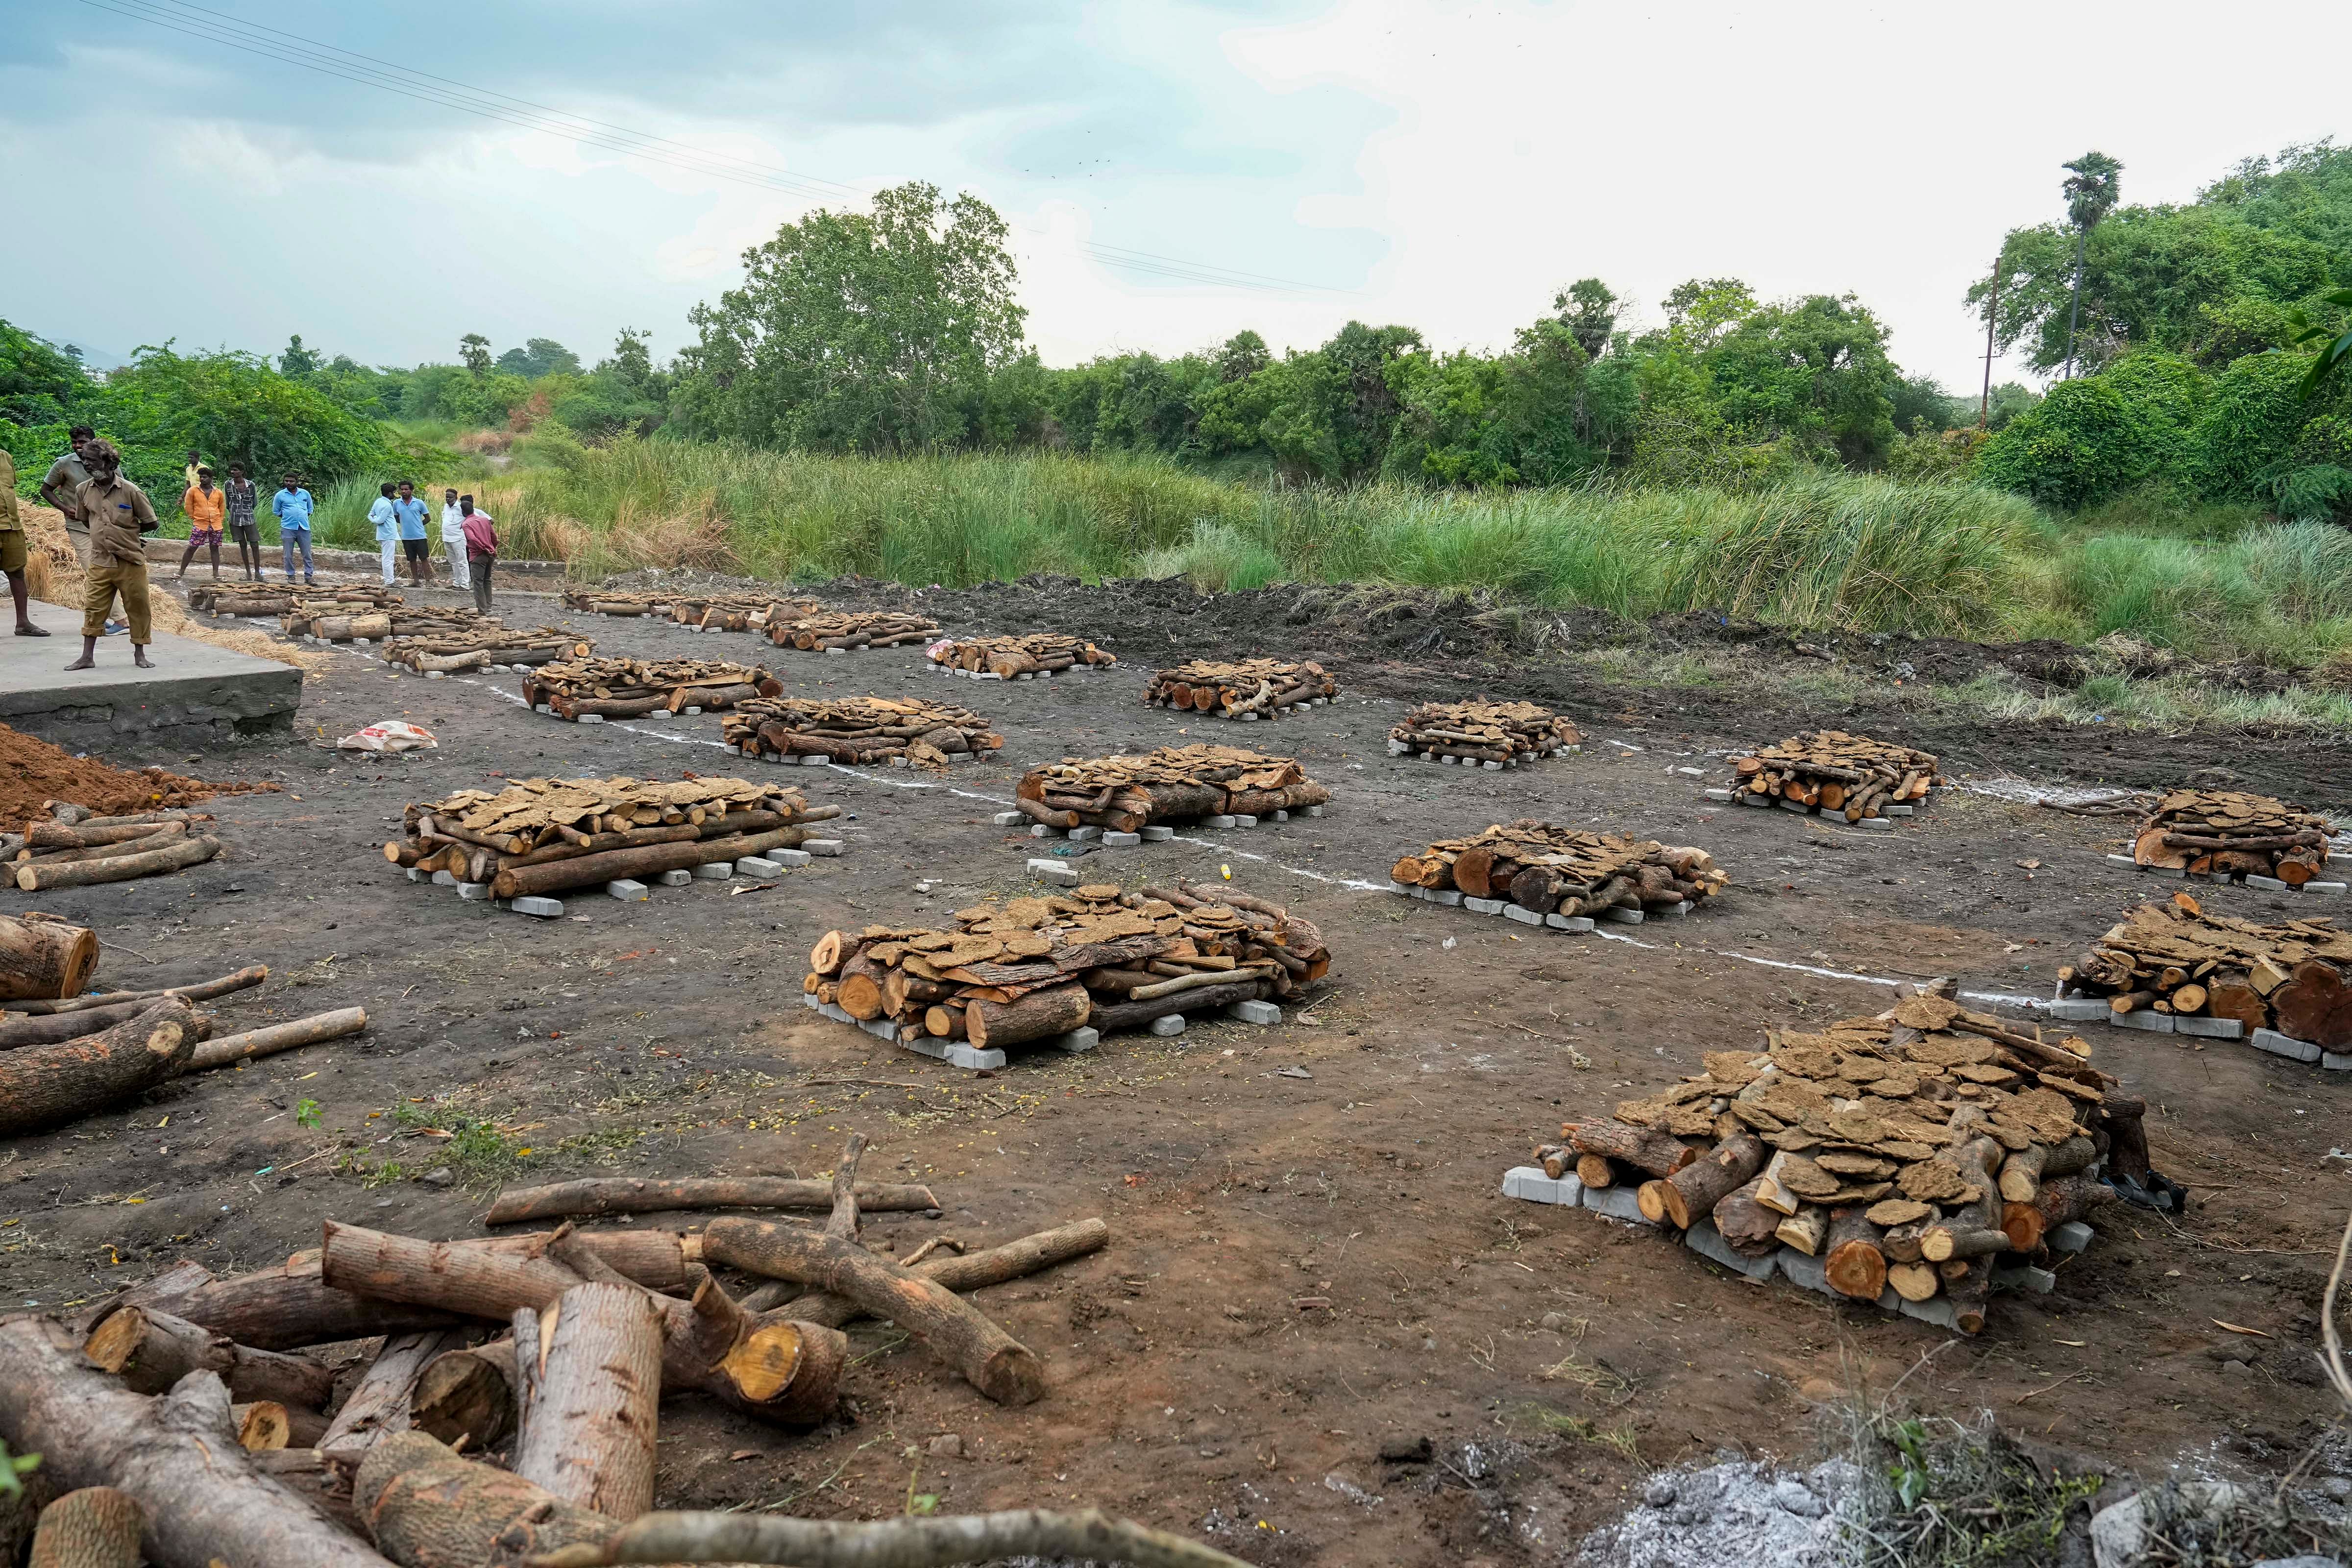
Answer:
(111, 514)
(468, 541)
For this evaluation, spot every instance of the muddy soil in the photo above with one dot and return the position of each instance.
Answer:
(1311, 1259)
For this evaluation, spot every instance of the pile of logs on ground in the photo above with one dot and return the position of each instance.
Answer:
(2233, 835)
(1830, 771)
(485, 645)
(1495, 734)
(505, 1405)
(67, 1052)
(850, 631)
(351, 614)
(591, 691)
(539, 836)
(2172, 967)
(1064, 970)
(1919, 1152)
(1248, 690)
(1561, 877)
(859, 731)
(1028, 656)
(618, 602)
(278, 599)
(1220, 785)
(75, 849)
(737, 612)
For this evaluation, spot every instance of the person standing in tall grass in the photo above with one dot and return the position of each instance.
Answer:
(387, 530)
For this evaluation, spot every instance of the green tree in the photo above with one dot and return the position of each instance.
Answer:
(2093, 185)
(1588, 311)
(38, 381)
(1702, 311)
(2098, 435)
(1814, 375)
(540, 357)
(474, 349)
(297, 360)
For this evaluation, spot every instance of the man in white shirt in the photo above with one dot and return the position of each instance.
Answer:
(453, 537)
(387, 532)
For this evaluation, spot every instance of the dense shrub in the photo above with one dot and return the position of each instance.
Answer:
(2098, 435)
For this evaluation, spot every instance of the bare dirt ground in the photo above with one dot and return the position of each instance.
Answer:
(1310, 1259)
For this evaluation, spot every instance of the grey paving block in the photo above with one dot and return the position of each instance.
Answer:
(1281, 816)
(1253, 1011)
(541, 708)
(717, 871)
(1314, 811)
(1525, 916)
(960, 1055)
(1008, 818)
(1529, 1183)
(1708, 1242)
(808, 1000)
(2268, 884)
(1168, 1025)
(444, 878)
(2077, 1009)
(1936, 1310)
(1621, 916)
(2286, 1046)
(1120, 840)
(1039, 830)
(756, 866)
(1787, 805)
(2150, 1022)
(416, 876)
(1153, 835)
(1617, 1203)
(1749, 797)
(2125, 860)
(1245, 820)
(591, 719)
(1669, 911)
(1059, 871)
(1217, 822)
(1897, 810)
(2327, 889)
(837, 1011)
(474, 892)
(628, 892)
(2211, 1028)
(1722, 794)
(1491, 762)
(1450, 897)
(673, 878)
(812, 761)
(1080, 835)
(880, 1028)
(1874, 823)
(1799, 1270)
(2176, 872)
(545, 909)
(1077, 1040)
(1483, 906)
(789, 856)
(1568, 923)
(2040, 1281)
(2336, 1061)
(2071, 1237)
(825, 846)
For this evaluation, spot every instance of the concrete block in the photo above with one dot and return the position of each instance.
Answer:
(436, 675)
(2125, 860)
(756, 866)
(1799, 1270)
(692, 711)
(1441, 760)
(1529, 1183)
(828, 848)
(1314, 811)
(2327, 889)
(2286, 1046)
(1168, 1025)
(1722, 794)
(1568, 923)
(628, 892)
(1009, 818)
(1081, 835)
(1621, 916)
(474, 892)
(1874, 823)
(2268, 884)
(1936, 1310)
(1249, 718)
(1491, 762)
(2211, 1028)
(416, 876)
(1077, 1040)
(1483, 906)
(837, 653)
(717, 872)
(673, 878)
(1708, 1242)
(1154, 834)
(1039, 830)
(2176, 872)
(1026, 675)
(808, 1000)
(2335, 1062)
(1898, 810)
(813, 761)
(1054, 870)
(1253, 1011)
(2071, 1237)
(2077, 1009)
(788, 857)
(1787, 805)
(1525, 916)
(1749, 797)
(1450, 897)
(1617, 1203)
(2040, 1281)
(444, 878)
(1120, 840)
(880, 1028)
(591, 719)
(1244, 821)
(1281, 816)
(2150, 1022)
(1669, 911)
(1397, 887)
(545, 909)
(542, 708)
(960, 1055)
(1217, 822)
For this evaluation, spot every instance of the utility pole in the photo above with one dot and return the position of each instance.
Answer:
(1992, 315)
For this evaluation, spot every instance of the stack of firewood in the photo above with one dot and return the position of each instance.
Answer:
(618, 602)
(737, 612)
(75, 849)
(857, 729)
(507, 1408)
(1829, 770)
(1008, 658)
(246, 599)
(1174, 783)
(343, 614)
(846, 630)
(2229, 834)
(1034, 968)
(1250, 688)
(2174, 958)
(1910, 1151)
(1563, 870)
(541, 835)
(1504, 733)
(483, 644)
(632, 688)
(66, 1052)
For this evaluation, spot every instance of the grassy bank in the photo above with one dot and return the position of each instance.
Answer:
(1854, 552)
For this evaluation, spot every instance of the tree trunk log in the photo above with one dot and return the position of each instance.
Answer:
(589, 870)
(96, 1527)
(36, 879)
(226, 1051)
(590, 1381)
(379, 1405)
(2125, 1117)
(426, 1508)
(957, 1332)
(136, 840)
(1913, 1281)
(596, 1196)
(1027, 1535)
(1968, 1293)
(1696, 1188)
(203, 991)
(1805, 1230)
(1648, 1149)
(1747, 1225)
(1120, 1015)
(468, 1397)
(1854, 1262)
(177, 1456)
(96, 834)
(2060, 1200)
(2315, 1005)
(973, 1270)
(1056, 1010)
(47, 1086)
(54, 1028)
(151, 1350)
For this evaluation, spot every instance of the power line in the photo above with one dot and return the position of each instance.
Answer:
(384, 75)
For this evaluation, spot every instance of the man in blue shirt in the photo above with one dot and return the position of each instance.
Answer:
(293, 505)
(410, 510)
(387, 530)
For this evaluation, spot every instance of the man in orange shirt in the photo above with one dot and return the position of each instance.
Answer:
(207, 505)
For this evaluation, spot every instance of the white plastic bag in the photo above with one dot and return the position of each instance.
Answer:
(392, 735)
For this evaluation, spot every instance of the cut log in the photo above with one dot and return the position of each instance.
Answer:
(137, 840)
(1746, 1223)
(96, 1527)
(204, 991)
(590, 1381)
(2022, 1173)
(2127, 1128)
(467, 1397)
(43, 1087)
(637, 1194)
(2060, 1200)
(379, 1404)
(973, 1270)
(2230, 994)
(1650, 1149)
(1120, 1015)
(1806, 1229)
(264, 1425)
(988, 1357)
(2314, 1005)
(589, 870)
(178, 1456)
(1056, 1010)
(53, 1029)
(1023, 1535)
(177, 855)
(1696, 1188)
(1968, 1293)
(1942, 1243)
(426, 1508)
(226, 1050)
(1913, 1281)
(1773, 1192)
(98, 834)
(1595, 1170)
(151, 1350)
(1853, 1257)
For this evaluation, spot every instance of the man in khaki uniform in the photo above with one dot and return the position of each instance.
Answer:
(66, 476)
(118, 512)
(13, 549)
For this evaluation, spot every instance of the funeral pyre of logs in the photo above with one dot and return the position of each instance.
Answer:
(1913, 1150)
(619, 602)
(1006, 658)
(337, 618)
(1563, 870)
(1830, 770)
(2232, 834)
(504, 1405)
(851, 629)
(1098, 958)
(737, 612)
(76, 849)
(279, 598)
(1258, 687)
(632, 688)
(1174, 783)
(858, 731)
(2173, 957)
(483, 644)
(1503, 733)
(66, 1052)
(538, 837)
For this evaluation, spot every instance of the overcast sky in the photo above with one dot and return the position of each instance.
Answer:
(1449, 166)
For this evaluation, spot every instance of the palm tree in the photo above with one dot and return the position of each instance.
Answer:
(2093, 183)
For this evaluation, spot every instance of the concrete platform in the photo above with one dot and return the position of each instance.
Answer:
(197, 694)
